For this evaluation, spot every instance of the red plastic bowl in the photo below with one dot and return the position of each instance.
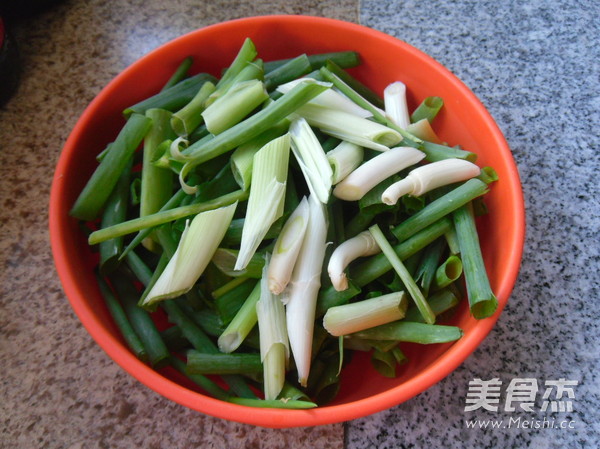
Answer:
(464, 121)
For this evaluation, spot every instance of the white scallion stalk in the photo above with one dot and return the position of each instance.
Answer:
(344, 159)
(274, 346)
(423, 130)
(287, 248)
(302, 291)
(430, 176)
(243, 156)
(345, 89)
(375, 170)
(312, 159)
(198, 243)
(331, 98)
(360, 245)
(361, 315)
(350, 127)
(242, 323)
(267, 192)
(396, 108)
(236, 104)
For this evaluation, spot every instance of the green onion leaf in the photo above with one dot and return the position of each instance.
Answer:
(232, 107)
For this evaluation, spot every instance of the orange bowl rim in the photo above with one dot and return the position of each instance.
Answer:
(449, 361)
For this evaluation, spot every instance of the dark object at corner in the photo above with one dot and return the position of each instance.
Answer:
(14, 10)
(9, 64)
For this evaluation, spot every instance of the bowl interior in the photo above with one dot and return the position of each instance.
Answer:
(463, 121)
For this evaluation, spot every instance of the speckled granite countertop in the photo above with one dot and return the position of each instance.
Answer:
(534, 64)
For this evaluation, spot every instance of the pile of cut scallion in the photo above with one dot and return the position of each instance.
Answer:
(255, 229)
